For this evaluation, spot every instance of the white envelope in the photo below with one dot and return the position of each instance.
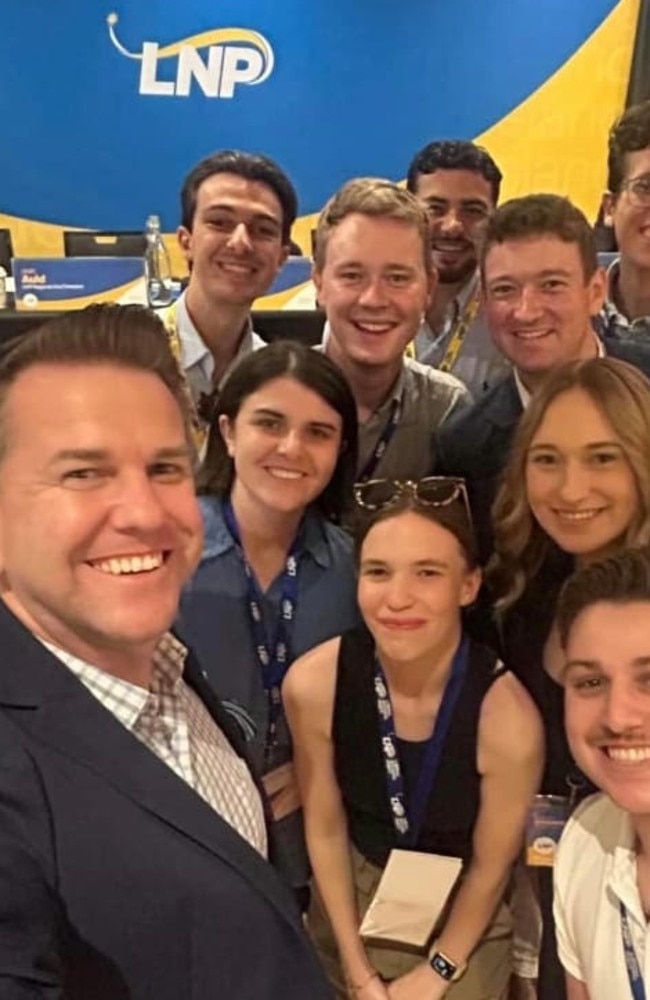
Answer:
(410, 897)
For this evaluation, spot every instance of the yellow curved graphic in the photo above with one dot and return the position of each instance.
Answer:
(555, 140)
(219, 36)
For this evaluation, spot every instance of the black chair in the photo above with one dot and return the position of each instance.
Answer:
(129, 243)
(6, 250)
(289, 324)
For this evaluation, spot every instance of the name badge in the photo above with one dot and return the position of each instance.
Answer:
(546, 821)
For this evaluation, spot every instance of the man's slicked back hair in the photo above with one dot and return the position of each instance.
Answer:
(128, 336)
(536, 215)
(454, 154)
(250, 166)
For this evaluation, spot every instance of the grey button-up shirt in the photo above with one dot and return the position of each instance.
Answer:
(428, 398)
(478, 364)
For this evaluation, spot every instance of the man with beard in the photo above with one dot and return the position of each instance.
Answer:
(458, 185)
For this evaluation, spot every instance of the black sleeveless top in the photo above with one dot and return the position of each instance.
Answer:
(455, 798)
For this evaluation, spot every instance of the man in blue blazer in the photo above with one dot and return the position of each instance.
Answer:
(132, 835)
(542, 287)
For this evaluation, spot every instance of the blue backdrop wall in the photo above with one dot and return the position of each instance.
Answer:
(104, 108)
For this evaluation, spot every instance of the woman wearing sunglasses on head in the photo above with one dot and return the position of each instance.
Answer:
(577, 487)
(407, 735)
(276, 577)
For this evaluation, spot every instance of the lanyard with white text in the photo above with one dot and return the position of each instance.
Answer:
(461, 327)
(408, 817)
(631, 961)
(274, 655)
(394, 418)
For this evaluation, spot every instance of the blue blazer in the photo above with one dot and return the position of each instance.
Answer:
(475, 443)
(117, 881)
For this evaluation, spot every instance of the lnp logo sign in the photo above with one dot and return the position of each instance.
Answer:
(234, 56)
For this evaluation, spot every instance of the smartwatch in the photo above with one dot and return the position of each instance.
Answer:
(446, 968)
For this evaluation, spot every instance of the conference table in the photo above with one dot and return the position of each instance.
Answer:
(304, 324)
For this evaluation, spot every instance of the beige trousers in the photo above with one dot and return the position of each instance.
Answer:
(488, 970)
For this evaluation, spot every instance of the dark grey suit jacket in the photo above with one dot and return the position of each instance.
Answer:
(117, 881)
(475, 443)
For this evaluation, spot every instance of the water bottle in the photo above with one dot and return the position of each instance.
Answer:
(158, 269)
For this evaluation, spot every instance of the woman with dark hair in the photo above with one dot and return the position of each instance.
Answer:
(277, 576)
(408, 735)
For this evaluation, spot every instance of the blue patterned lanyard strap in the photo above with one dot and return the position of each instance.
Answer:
(408, 817)
(394, 417)
(631, 962)
(274, 654)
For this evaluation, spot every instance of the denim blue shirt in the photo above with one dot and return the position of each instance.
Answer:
(214, 620)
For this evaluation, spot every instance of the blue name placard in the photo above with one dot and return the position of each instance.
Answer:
(292, 288)
(75, 282)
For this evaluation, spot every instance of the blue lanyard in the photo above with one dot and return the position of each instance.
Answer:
(274, 655)
(631, 962)
(390, 427)
(408, 817)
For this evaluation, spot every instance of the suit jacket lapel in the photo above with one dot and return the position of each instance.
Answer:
(507, 408)
(54, 708)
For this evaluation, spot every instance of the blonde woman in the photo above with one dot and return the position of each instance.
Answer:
(576, 487)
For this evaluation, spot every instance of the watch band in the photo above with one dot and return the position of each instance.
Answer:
(445, 967)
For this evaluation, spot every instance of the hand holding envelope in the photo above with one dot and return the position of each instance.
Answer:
(410, 897)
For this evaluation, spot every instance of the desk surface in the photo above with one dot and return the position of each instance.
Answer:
(305, 325)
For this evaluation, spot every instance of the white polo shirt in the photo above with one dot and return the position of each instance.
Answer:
(595, 869)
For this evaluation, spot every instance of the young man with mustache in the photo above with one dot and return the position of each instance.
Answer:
(602, 870)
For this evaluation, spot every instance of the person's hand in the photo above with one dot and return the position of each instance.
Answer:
(373, 989)
(421, 983)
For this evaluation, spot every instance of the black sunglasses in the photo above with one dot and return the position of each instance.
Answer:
(432, 491)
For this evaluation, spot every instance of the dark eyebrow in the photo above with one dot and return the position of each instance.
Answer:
(420, 563)
(324, 425)
(232, 210)
(581, 665)
(464, 202)
(638, 663)
(592, 446)
(180, 451)
(266, 411)
(549, 272)
(103, 455)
